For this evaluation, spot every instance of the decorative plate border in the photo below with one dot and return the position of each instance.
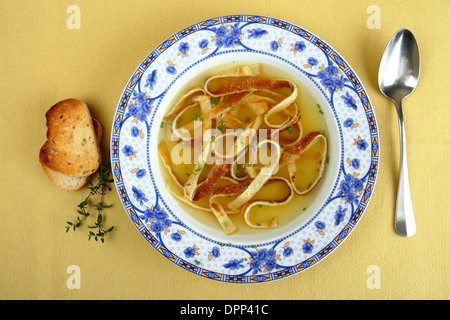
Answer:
(234, 263)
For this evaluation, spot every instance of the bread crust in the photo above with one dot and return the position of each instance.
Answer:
(72, 146)
(62, 180)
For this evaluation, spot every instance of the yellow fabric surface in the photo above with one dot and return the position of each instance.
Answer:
(42, 61)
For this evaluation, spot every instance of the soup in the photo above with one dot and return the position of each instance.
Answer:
(244, 148)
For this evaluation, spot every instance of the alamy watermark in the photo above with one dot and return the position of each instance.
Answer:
(374, 20)
(241, 146)
(74, 280)
(374, 280)
(74, 20)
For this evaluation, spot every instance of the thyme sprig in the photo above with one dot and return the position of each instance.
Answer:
(98, 231)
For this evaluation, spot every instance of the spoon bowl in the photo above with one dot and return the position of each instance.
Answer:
(397, 78)
(400, 66)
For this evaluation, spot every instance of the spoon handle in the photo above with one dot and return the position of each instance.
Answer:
(405, 224)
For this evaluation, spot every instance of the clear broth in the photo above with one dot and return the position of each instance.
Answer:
(312, 119)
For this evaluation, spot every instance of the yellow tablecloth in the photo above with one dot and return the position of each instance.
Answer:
(42, 61)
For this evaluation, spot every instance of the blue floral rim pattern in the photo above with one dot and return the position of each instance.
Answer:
(131, 157)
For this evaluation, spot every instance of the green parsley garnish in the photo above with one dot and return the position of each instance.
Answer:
(320, 109)
(289, 129)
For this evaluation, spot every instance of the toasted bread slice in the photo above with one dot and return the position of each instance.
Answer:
(71, 147)
(64, 181)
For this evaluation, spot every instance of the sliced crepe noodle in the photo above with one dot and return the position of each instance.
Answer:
(222, 217)
(231, 121)
(213, 113)
(259, 104)
(211, 181)
(282, 107)
(185, 134)
(194, 98)
(245, 142)
(263, 100)
(237, 189)
(233, 73)
(256, 184)
(164, 154)
(291, 135)
(247, 209)
(217, 208)
(298, 153)
(246, 84)
(193, 180)
(246, 160)
(185, 101)
(205, 105)
(251, 84)
(240, 100)
(178, 193)
(224, 147)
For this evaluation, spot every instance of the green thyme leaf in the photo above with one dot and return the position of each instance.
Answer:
(97, 191)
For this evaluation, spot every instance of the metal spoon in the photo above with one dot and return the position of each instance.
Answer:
(397, 79)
